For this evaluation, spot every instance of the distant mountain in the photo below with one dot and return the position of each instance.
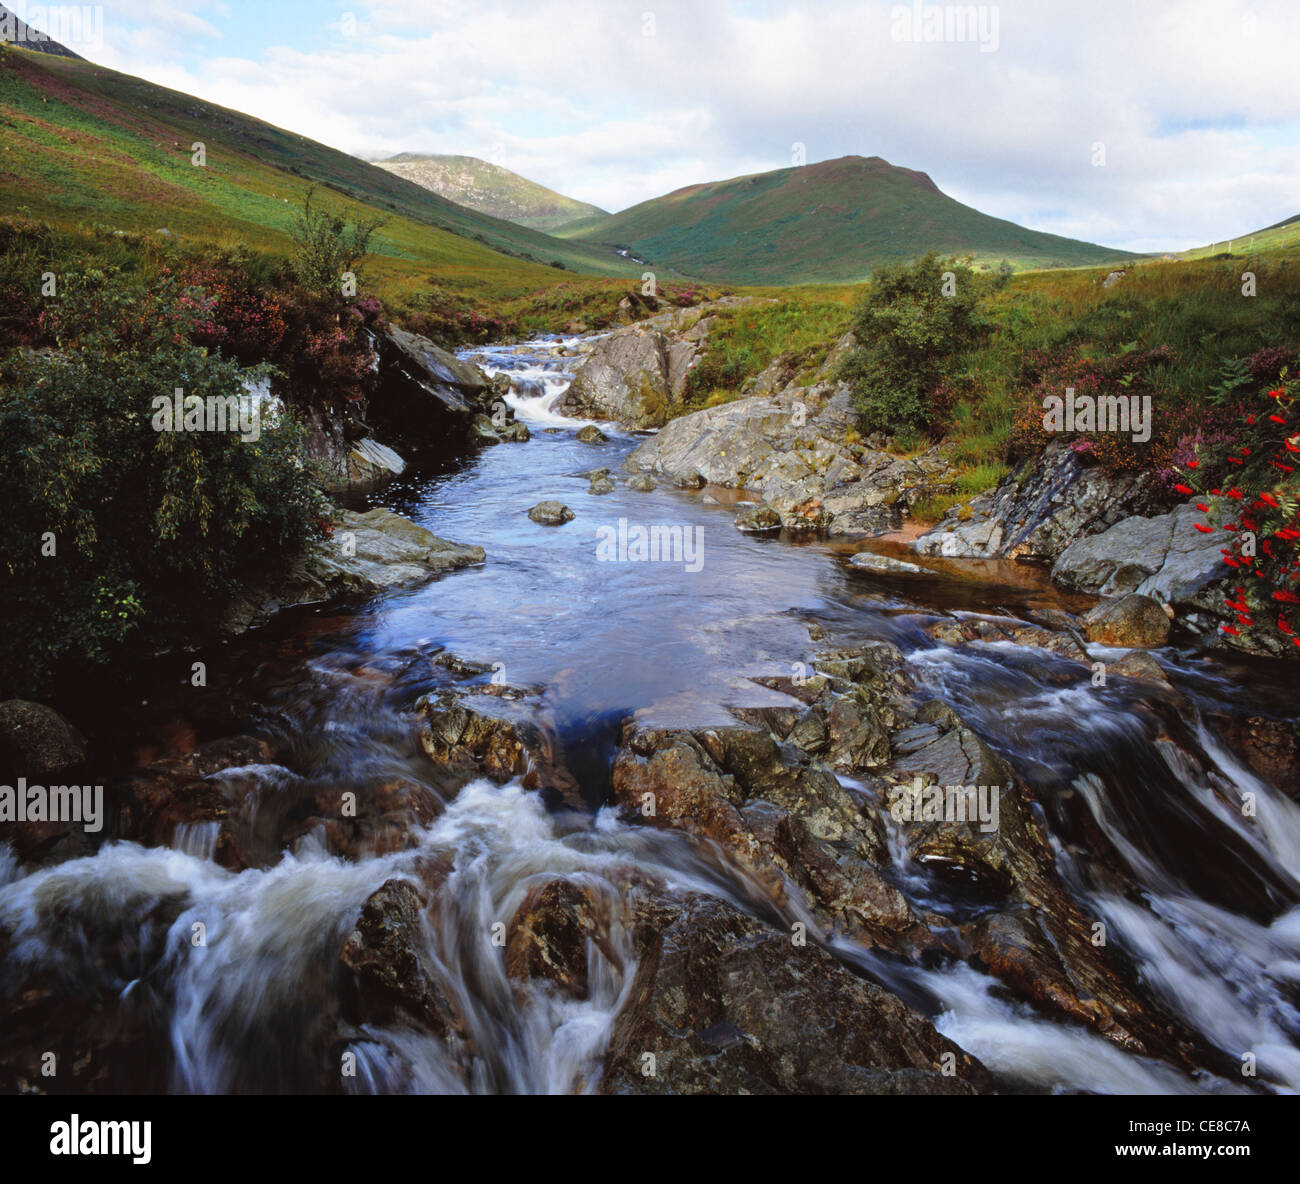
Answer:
(22, 35)
(832, 222)
(490, 189)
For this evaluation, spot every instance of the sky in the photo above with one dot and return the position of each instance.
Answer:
(1139, 124)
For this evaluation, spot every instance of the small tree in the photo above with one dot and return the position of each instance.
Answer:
(326, 246)
(912, 327)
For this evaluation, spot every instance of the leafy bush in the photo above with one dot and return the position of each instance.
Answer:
(326, 246)
(149, 529)
(914, 326)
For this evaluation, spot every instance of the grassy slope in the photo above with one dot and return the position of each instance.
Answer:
(490, 189)
(832, 222)
(1279, 236)
(83, 144)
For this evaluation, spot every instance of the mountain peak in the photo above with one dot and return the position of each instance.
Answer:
(490, 189)
(833, 221)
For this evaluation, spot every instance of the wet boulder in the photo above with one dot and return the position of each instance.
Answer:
(1132, 621)
(758, 520)
(551, 513)
(390, 978)
(726, 1004)
(548, 937)
(425, 394)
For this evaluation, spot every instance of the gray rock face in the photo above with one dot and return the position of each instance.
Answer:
(1037, 514)
(424, 393)
(367, 553)
(441, 370)
(792, 449)
(371, 463)
(634, 375)
(1164, 556)
(551, 513)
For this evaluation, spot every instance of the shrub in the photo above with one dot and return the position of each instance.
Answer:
(149, 528)
(326, 246)
(914, 326)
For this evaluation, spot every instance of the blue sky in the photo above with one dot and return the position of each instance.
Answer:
(615, 101)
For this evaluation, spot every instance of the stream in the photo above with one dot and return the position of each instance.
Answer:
(1211, 934)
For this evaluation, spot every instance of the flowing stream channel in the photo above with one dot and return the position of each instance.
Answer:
(1212, 933)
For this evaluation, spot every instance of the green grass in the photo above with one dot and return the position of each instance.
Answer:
(85, 145)
(832, 222)
(1280, 236)
(801, 326)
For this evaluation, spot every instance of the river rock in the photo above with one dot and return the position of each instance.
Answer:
(591, 434)
(391, 977)
(757, 520)
(642, 483)
(601, 485)
(1271, 747)
(551, 513)
(793, 449)
(365, 554)
(549, 934)
(371, 463)
(1129, 621)
(1140, 666)
(884, 563)
(634, 376)
(1164, 556)
(426, 399)
(496, 431)
(725, 1004)
(472, 734)
(173, 796)
(40, 746)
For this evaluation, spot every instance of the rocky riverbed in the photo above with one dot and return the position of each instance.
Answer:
(534, 815)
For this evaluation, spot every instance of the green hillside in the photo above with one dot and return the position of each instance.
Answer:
(490, 189)
(832, 222)
(83, 145)
(1280, 236)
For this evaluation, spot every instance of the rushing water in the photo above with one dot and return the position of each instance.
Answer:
(1212, 932)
